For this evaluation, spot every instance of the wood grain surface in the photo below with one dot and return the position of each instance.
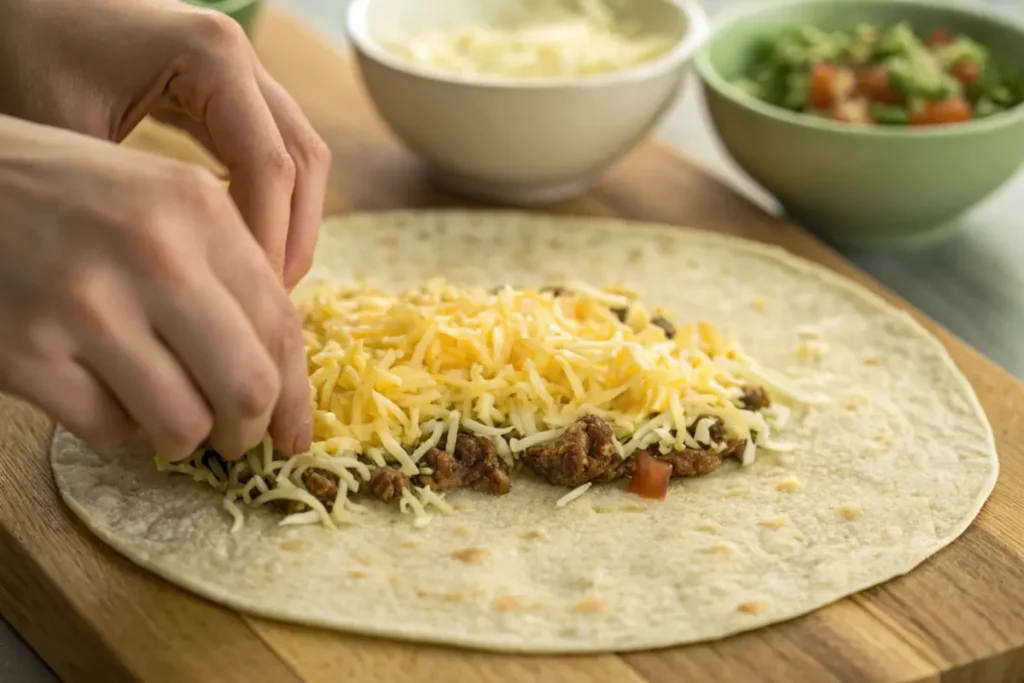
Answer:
(95, 617)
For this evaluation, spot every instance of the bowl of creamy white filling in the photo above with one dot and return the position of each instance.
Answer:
(523, 101)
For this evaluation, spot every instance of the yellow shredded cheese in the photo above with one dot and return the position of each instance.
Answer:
(396, 374)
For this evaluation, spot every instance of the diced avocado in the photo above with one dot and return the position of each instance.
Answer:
(986, 107)
(914, 75)
(887, 114)
(919, 72)
(898, 40)
(961, 50)
(798, 91)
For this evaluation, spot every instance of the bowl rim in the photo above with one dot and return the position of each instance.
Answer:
(697, 31)
(710, 77)
(224, 6)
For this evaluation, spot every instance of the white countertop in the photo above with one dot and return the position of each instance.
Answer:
(973, 285)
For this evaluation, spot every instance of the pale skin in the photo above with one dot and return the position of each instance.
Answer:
(136, 293)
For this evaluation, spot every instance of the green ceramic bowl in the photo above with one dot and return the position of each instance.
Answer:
(242, 11)
(862, 186)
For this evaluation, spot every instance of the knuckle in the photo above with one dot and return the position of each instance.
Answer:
(218, 31)
(313, 151)
(157, 250)
(197, 182)
(187, 429)
(91, 302)
(279, 164)
(198, 189)
(256, 394)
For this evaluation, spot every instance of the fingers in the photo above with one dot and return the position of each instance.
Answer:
(309, 155)
(74, 397)
(312, 160)
(240, 129)
(152, 386)
(218, 304)
(213, 338)
(277, 324)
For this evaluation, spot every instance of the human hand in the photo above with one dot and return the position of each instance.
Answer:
(100, 67)
(132, 294)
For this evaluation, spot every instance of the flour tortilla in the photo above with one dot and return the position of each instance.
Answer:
(892, 470)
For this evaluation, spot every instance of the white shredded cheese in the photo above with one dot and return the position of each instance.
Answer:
(237, 520)
(572, 495)
(394, 375)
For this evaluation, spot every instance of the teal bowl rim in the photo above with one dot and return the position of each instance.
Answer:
(224, 6)
(710, 77)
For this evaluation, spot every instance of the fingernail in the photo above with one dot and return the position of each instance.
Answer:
(304, 438)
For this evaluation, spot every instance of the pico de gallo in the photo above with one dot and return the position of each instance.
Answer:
(887, 76)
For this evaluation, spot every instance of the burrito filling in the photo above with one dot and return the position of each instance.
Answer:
(425, 391)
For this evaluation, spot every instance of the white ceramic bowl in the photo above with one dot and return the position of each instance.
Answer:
(517, 141)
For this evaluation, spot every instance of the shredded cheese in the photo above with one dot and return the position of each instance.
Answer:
(394, 375)
(572, 495)
(548, 40)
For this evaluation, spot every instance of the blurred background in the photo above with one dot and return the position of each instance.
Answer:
(973, 285)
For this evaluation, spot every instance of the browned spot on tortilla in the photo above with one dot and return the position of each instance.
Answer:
(507, 604)
(471, 555)
(636, 255)
(389, 241)
(590, 606)
(539, 606)
(364, 560)
(850, 511)
(420, 593)
(752, 607)
(458, 506)
(411, 543)
(724, 550)
(454, 596)
(294, 546)
(395, 580)
(874, 360)
(709, 527)
(759, 303)
(357, 574)
(463, 531)
(788, 486)
(537, 534)
(854, 401)
(776, 523)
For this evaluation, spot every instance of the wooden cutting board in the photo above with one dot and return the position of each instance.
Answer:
(96, 617)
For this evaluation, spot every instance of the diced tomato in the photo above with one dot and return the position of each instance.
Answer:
(965, 72)
(829, 84)
(952, 110)
(873, 83)
(940, 36)
(650, 479)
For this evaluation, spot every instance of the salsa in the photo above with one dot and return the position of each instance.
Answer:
(877, 75)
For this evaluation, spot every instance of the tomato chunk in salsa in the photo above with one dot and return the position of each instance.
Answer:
(886, 76)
